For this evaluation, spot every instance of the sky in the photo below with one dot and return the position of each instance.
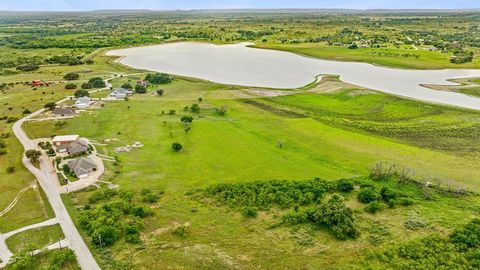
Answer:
(67, 5)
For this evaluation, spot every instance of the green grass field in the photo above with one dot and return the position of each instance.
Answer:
(331, 130)
(322, 135)
(390, 56)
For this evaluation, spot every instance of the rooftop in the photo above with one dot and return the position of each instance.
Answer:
(63, 138)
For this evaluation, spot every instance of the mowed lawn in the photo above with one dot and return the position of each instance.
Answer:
(37, 238)
(242, 146)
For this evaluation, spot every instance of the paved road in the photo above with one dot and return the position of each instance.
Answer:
(47, 180)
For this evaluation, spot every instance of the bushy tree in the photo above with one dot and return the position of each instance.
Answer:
(158, 78)
(87, 86)
(81, 93)
(140, 89)
(127, 86)
(105, 236)
(33, 155)
(70, 86)
(187, 119)
(50, 106)
(160, 92)
(177, 147)
(96, 82)
(71, 76)
(195, 108)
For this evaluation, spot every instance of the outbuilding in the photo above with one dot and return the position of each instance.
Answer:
(64, 140)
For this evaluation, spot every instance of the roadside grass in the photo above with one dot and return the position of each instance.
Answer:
(379, 56)
(31, 208)
(37, 238)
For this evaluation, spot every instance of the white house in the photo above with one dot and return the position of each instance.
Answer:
(83, 102)
(120, 93)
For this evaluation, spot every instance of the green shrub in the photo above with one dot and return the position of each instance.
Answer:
(10, 169)
(12, 119)
(405, 201)
(368, 194)
(28, 67)
(345, 185)
(298, 216)
(180, 231)
(149, 197)
(468, 236)
(374, 207)
(105, 236)
(127, 86)
(249, 212)
(415, 222)
(61, 258)
(338, 217)
(388, 194)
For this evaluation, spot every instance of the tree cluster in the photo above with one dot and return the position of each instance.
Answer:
(158, 78)
(111, 215)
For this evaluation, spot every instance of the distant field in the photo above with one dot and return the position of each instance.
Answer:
(379, 56)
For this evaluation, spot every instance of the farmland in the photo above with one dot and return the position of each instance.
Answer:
(239, 194)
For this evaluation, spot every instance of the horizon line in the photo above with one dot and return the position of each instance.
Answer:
(255, 9)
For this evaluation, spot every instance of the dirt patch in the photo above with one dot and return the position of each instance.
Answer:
(267, 93)
(203, 254)
(274, 110)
